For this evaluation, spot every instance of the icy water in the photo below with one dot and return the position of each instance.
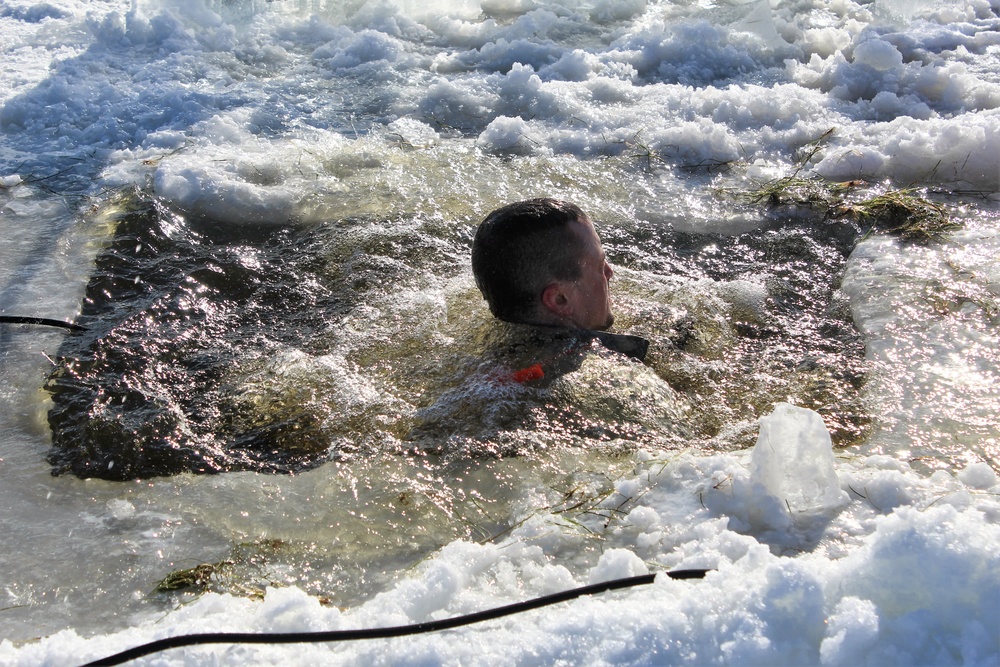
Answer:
(289, 408)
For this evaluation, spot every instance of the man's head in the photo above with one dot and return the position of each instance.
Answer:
(541, 262)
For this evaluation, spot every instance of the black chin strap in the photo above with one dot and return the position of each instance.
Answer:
(629, 345)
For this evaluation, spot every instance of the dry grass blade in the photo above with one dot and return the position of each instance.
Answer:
(795, 190)
(199, 577)
(904, 213)
(901, 212)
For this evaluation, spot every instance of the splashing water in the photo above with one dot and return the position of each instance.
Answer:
(289, 393)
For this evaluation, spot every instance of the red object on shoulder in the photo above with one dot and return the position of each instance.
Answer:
(528, 374)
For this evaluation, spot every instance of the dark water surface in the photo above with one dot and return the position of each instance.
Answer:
(211, 350)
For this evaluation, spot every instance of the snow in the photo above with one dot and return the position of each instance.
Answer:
(250, 115)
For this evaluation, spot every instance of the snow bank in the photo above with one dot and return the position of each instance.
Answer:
(915, 582)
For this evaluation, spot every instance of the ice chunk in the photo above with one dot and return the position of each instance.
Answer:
(978, 476)
(878, 54)
(121, 509)
(617, 564)
(413, 132)
(793, 460)
(850, 632)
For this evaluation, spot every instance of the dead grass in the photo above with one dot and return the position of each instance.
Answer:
(904, 213)
(244, 573)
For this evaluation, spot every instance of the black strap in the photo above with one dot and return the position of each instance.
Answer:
(382, 633)
(43, 321)
(629, 345)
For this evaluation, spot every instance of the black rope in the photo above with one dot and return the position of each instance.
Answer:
(382, 633)
(43, 321)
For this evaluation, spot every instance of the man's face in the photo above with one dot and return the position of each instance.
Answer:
(589, 296)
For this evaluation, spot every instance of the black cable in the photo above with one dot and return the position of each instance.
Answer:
(43, 321)
(381, 633)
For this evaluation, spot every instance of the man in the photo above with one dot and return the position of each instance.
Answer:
(540, 262)
(540, 266)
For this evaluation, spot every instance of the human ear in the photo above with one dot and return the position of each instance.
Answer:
(556, 301)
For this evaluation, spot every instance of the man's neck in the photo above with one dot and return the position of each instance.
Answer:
(627, 344)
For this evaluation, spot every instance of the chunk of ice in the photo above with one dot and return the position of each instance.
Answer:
(793, 460)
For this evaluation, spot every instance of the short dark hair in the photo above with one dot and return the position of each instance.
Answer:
(522, 247)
